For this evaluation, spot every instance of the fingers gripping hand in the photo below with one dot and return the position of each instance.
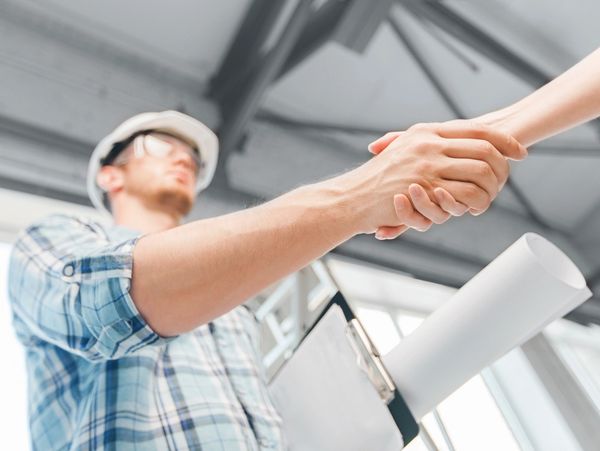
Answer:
(422, 213)
(476, 172)
(448, 203)
(407, 215)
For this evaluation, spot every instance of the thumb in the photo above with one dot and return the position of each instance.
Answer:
(381, 143)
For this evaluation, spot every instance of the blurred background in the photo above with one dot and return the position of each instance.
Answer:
(296, 90)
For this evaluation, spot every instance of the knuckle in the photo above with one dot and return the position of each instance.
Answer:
(437, 143)
(483, 170)
(419, 126)
(429, 145)
(425, 168)
(477, 128)
(487, 148)
(472, 191)
(418, 146)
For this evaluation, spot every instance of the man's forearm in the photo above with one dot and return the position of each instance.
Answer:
(194, 273)
(570, 99)
(190, 275)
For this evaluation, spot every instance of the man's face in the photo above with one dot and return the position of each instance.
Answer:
(161, 170)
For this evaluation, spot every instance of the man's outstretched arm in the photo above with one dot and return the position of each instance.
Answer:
(194, 273)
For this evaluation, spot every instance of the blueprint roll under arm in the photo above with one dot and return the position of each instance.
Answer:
(529, 285)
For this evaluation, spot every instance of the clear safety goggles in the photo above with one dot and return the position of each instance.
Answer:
(160, 145)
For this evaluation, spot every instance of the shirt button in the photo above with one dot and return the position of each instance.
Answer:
(68, 271)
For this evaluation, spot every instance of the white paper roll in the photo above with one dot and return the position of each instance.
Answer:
(529, 285)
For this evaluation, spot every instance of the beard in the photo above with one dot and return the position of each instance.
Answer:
(158, 191)
(175, 199)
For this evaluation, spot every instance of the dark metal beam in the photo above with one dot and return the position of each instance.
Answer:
(240, 93)
(352, 23)
(247, 103)
(593, 278)
(428, 71)
(587, 313)
(246, 46)
(318, 30)
(360, 22)
(463, 30)
(246, 63)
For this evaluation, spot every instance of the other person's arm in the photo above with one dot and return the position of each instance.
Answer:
(567, 101)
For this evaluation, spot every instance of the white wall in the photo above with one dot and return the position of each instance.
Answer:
(13, 379)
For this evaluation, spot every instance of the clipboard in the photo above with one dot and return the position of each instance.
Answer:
(334, 392)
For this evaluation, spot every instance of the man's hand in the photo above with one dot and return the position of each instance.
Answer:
(462, 165)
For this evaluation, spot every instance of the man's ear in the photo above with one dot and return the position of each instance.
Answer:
(110, 179)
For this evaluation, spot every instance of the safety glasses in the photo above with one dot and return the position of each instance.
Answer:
(160, 145)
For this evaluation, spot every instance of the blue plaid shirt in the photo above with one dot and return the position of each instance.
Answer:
(100, 378)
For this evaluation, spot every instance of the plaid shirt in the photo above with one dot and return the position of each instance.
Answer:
(100, 378)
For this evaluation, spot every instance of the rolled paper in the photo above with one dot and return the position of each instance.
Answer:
(529, 285)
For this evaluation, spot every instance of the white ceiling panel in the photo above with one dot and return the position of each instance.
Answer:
(192, 35)
(383, 88)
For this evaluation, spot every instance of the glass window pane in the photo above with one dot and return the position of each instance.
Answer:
(380, 327)
(474, 421)
(579, 348)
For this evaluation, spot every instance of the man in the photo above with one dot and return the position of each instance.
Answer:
(134, 332)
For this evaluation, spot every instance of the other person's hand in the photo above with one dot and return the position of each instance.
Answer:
(463, 167)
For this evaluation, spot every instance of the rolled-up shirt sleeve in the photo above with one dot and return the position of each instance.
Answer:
(69, 285)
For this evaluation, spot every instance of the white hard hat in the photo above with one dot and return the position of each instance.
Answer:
(180, 124)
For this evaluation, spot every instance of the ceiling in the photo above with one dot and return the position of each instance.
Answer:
(297, 90)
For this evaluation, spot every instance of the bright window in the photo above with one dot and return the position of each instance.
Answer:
(13, 386)
(451, 425)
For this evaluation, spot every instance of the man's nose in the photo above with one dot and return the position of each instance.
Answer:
(183, 157)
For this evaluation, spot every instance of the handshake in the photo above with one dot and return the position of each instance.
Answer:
(430, 172)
